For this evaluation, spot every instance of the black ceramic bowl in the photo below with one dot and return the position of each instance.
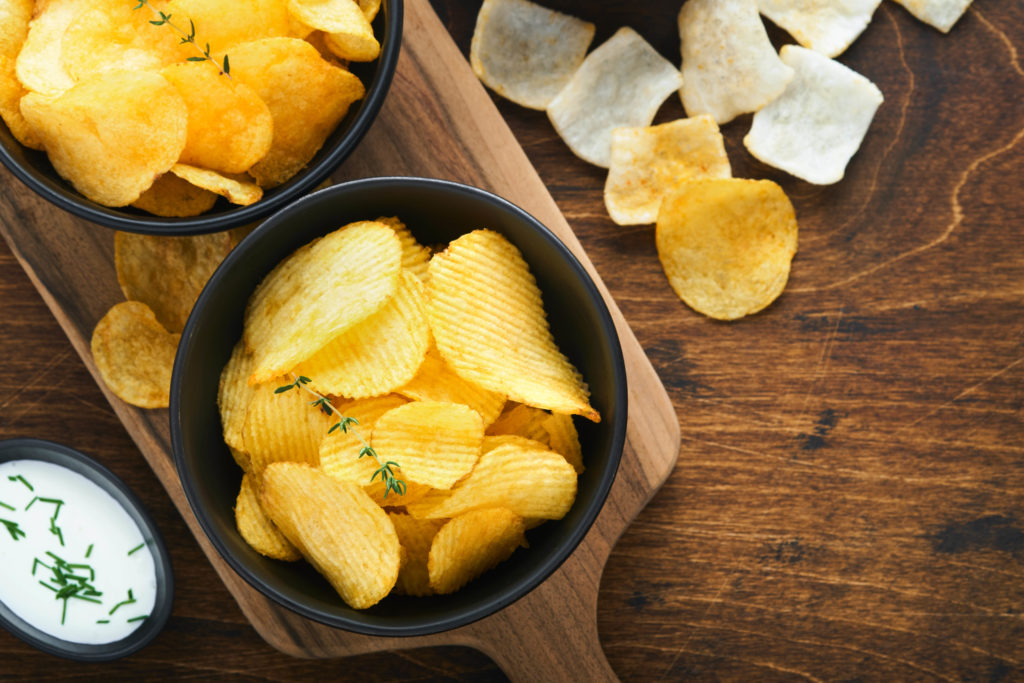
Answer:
(34, 169)
(436, 212)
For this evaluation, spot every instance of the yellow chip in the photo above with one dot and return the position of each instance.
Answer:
(135, 355)
(172, 197)
(521, 420)
(234, 394)
(335, 525)
(11, 92)
(435, 381)
(415, 256)
(282, 427)
(564, 439)
(225, 24)
(370, 8)
(434, 443)
(235, 191)
(490, 326)
(256, 528)
(39, 65)
(241, 459)
(112, 135)
(471, 544)
(415, 535)
(347, 30)
(319, 292)
(553, 431)
(726, 245)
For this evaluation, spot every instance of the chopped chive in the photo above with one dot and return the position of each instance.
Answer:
(139, 618)
(12, 528)
(92, 573)
(31, 501)
(18, 477)
(59, 560)
(130, 600)
(138, 547)
(55, 501)
(88, 551)
(103, 621)
(46, 585)
(82, 597)
(64, 612)
(35, 563)
(57, 532)
(9, 507)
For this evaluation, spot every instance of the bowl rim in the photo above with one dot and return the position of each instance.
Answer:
(61, 194)
(546, 565)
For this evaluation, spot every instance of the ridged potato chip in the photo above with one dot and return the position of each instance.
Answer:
(225, 24)
(256, 528)
(172, 197)
(825, 26)
(39, 65)
(416, 536)
(282, 427)
(415, 256)
(941, 14)
(471, 544)
(235, 191)
(241, 459)
(337, 527)
(436, 381)
(532, 428)
(489, 323)
(234, 394)
(726, 245)
(135, 355)
(521, 420)
(347, 30)
(564, 439)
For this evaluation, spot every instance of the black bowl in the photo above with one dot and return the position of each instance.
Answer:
(34, 169)
(436, 212)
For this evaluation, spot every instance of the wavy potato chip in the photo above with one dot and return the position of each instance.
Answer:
(564, 439)
(234, 394)
(39, 65)
(471, 544)
(416, 536)
(826, 26)
(530, 426)
(235, 191)
(282, 427)
(172, 197)
(436, 381)
(941, 14)
(521, 420)
(415, 256)
(256, 528)
(347, 30)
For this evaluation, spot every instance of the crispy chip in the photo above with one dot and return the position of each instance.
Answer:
(234, 394)
(335, 525)
(370, 8)
(39, 65)
(564, 439)
(225, 24)
(282, 427)
(815, 127)
(135, 355)
(241, 459)
(825, 26)
(489, 323)
(650, 162)
(621, 83)
(436, 381)
(235, 191)
(729, 65)
(726, 244)
(521, 420)
(14, 19)
(415, 256)
(347, 30)
(539, 428)
(172, 197)
(526, 52)
(415, 535)
(941, 14)
(470, 545)
(256, 528)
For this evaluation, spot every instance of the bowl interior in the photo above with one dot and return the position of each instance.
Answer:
(436, 212)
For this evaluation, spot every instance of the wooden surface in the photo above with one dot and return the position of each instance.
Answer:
(847, 503)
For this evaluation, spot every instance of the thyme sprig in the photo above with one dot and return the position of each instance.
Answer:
(187, 37)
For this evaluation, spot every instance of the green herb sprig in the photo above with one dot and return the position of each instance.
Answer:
(13, 529)
(187, 37)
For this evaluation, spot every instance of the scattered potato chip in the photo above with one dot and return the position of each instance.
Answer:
(282, 427)
(726, 244)
(436, 381)
(347, 30)
(39, 66)
(235, 191)
(525, 52)
(621, 83)
(415, 535)
(335, 525)
(234, 394)
(135, 355)
(650, 162)
(470, 545)
(826, 26)
(815, 127)
(256, 528)
(941, 14)
(225, 24)
(489, 323)
(729, 65)
(172, 197)
(415, 256)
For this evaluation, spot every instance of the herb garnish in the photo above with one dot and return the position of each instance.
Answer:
(138, 547)
(187, 37)
(18, 477)
(12, 528)
(130, 600)
(9, 507)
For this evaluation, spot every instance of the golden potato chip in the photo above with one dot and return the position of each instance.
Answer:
(489, 323)
(415, 535)
(225, 24)
(941, 14)
(256, 528)
(553, 431)
(39, 65)
(370, 8)
(434, 443)
(335, 525)
(415, 256)
(11, 92)
(167, 273)
(521, 420)
(435, 381)
(825, 26)
(282, 427)
(726, 244)
(234, 394)
(564, 439)
(347, 30)
(14, 18)
(135, 355)
(471, 544)
(172, 197)
(320, 291)
(241, 459)
(235, 191)
(111, 136)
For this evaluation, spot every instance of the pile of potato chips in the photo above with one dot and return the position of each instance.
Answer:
(131, 114)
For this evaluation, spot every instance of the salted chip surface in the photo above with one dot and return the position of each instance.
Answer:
(650, 162)
(234, 393)
(436, 381)
(525, 52)
(729, 65)
(621, 83)
(235, 191)
(135, 355)
(346, 27)
(726, 245)
(826, 26)
(282, 427)
(39, 65)
(416, 537)
(172, 197)
(337, 527)
(470, 545)
(815, 127)
(489, 324)
(941, 14)
(256, 528)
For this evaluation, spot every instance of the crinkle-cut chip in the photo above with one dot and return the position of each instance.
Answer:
(434, 443)
(11, 92)
(650, 162)
(471, 544)
(111, 136)
(525, 52)
(530, 482)
(241, 459)
(307, 97)
(282, 427)
(826, 26)
(172, 197)
(941, 14)
(532, 428)
(337, 527)
(564, 439)
(225, 24)
(378, 355)
(489, 323)
(729, 65)
(347, 30)
(234, 394)
(167, 273)
(135, 355)
(320, 291)
(436, 381)
(256, 528)
(521, 420)
(726, 245)
(492, 441)
(415, 256)
(816, 126)
(415, 535)
(39, 64)
(235, 191)
(621, 83)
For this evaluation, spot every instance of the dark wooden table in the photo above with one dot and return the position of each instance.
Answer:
(848, 500)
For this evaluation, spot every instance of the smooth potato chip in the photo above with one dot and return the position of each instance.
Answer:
(234, 394)
(436, 381)
(415, 256)
(224, 24)
(416, 536)
(826, 26)
(941, 14)
(11, 92)
(525, 52)
(282, 427)
(39, 65)
(256, 528)
(172, 197)
(726, 244)
(135, 355)
(14, 19)
(347, 30)
(235, 191)
(470, 545)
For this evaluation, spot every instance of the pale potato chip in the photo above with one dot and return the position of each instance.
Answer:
(470, 545)
(436, 381)
(135, 355)
(621, 83)
(489, 323)
(234, 394)
(814, 128)
(235, 191)
(650, 162)
(941, 14)
(347, 30)
(224, 24)
(282, 427)
(256, 528)
(416, 536)
(525, 52)
(319, 292)
(729, 65)
(415, 256)
(826, 26)
(346, 536)
(726, 244)
(172, 197)
(39, 66)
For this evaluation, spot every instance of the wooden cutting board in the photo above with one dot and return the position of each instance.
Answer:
(437, 122)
